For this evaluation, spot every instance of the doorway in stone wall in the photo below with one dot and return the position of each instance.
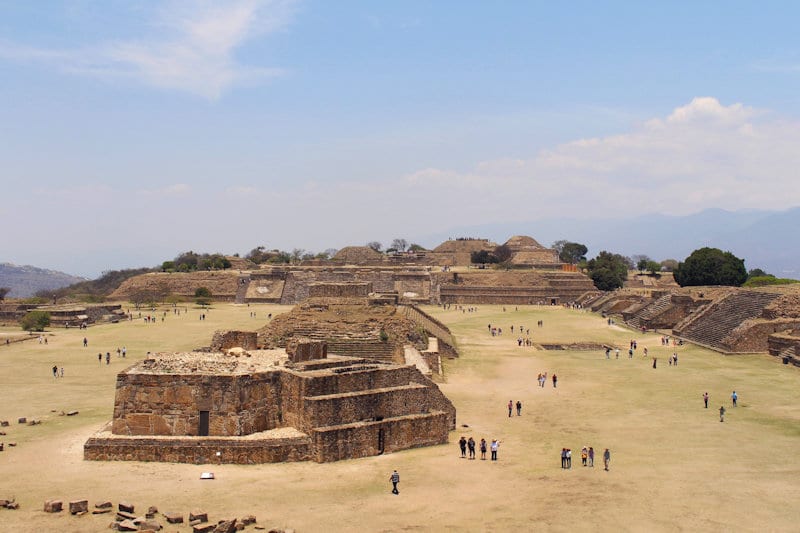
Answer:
(381, 441)
(202, 429)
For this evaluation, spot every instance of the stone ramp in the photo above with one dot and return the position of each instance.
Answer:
(414, 357)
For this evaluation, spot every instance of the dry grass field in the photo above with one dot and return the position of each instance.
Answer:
(674, 465)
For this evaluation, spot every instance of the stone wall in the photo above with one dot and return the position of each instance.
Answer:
(225, 340)
(300, 350)
(753, 335)
(339, 290)
(363, 439)
(198, 450)
(169, 404)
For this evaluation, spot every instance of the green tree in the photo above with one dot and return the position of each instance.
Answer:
(35, 321)
(711, 266)
(417, 248)
(203, 295)
(641, 262)
(758, 273)
(608, 271)
(653, 267)
(481, 257)
(572, 253)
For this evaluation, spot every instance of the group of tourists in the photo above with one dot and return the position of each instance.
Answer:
(542, 379)
(587, 457)
(734, 403)
(468, 446)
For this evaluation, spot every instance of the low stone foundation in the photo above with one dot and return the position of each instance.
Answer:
(252, 449)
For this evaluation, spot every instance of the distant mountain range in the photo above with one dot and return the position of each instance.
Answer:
(25, 281)
(764, 239)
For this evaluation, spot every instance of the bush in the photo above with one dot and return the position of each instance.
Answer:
(763, 281)
(36, 321)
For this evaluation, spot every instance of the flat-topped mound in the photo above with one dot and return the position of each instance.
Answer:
(221, 283)
(460, 246)
(356, 255)
(523, 242)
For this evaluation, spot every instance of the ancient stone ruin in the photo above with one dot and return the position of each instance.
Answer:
(260, 406)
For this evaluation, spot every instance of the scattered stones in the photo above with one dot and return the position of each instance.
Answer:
(53, 506)
(226, 526)
(34, 422)
(101, 511)
(151, 525)
(202, 516)
(22, 420)
(203, 528)
(126, 507)
(126, 525)
(247, 520)
(4, 423)
(79, 506)
(12, 444)
(126, 516)
(72, 413)
(174, 518)
(153, 510)
(104, 505)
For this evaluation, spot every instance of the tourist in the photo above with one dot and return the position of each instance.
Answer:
(734, 397)
(569, 458)
(55, 371)
(705, 399)
(462, 443)
(584, 455)
(555, 380)
(108, 358)
(591, 457)
(483, 449)
(62, 371)
(655, 361)
(494, 446)
(510, 408)
(630, 353)
(616, 353)
(563, 458)
(395, 479)
(721, 413)
(675, 359)
(644, 352)
(85, 342)
(519, 408)
(471, 447)
(608, 353)
(124, 351)
(100, 357)
(606, 458)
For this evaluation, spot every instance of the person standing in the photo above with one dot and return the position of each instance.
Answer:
(495, 445)
(705, 399)
(606, 458)
(395, 479)
(519, 408)
(100, 357)
(510, 408)
(722, 413)
(55, 371)
(591, 456)
(555, 380)
(462, 443)
(471, 447)
(108, 358)
(85, 342)
(584, 455)
(483, 449)
(734, 398)
(569, 458)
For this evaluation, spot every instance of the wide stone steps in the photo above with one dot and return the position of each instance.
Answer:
(721, 317)
(371, 404)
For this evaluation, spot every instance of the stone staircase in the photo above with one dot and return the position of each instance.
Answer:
(430, 325)
(649, 311)
(241, 289)
(713, 323)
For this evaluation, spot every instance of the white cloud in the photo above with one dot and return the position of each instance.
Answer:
(177, 189)
(193, 49)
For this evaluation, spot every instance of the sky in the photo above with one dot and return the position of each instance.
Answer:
(133, 131)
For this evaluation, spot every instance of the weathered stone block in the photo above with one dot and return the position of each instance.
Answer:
(203, 528)
(78, 506)
(198, 515)
(151, 525)
(127, 525)
(174, 518)
(53, 506)
(226, 526)
(247, 520)
(104, 505)
(126, 507)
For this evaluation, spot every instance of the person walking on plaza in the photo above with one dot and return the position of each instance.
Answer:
(471, 447)
(591, 457)
(483, 449)
(722, 413)
(462, 443)
(510, 408)
(555, 380)
(606, 458)
(734, 398)
(519, 408)
(395, 479)
(705, 399)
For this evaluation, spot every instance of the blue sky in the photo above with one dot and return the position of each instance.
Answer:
(131, 131)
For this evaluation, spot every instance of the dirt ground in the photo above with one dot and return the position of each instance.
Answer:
(674, 465)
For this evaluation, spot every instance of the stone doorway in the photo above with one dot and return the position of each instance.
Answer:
(202, 429)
